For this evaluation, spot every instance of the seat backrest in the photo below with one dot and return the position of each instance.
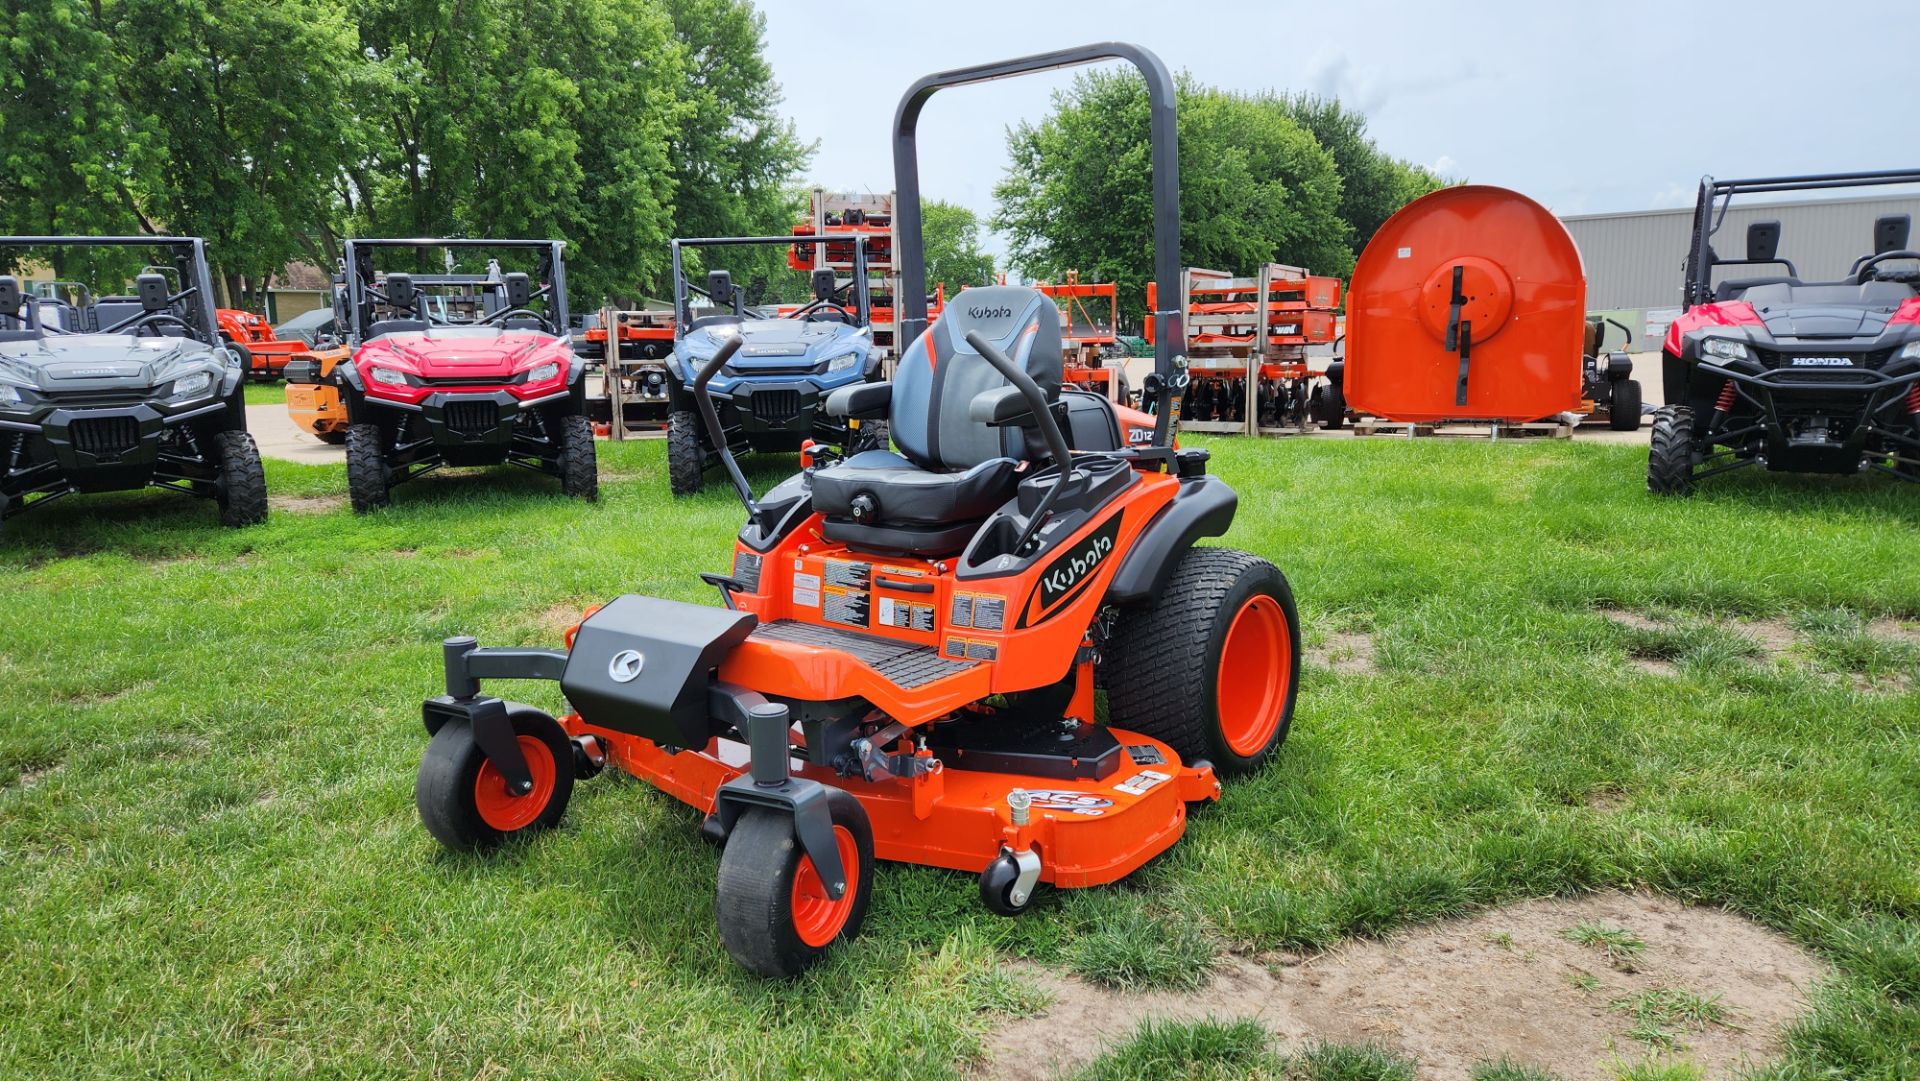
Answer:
(108, 311)
(939, 375)
(395, 326)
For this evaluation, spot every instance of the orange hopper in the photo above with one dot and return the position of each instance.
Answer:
(1469, 304)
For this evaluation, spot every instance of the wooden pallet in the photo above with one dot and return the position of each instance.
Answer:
(1492, 430)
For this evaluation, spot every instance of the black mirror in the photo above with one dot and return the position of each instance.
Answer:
(519, 290)
(1763, 241)
(720, 287)
(825, 285)
(1890, 233)
(10, 299)
(152, 291)
(400, 292)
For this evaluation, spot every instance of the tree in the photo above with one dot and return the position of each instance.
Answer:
(73, 158)
(248, 95)
(952, 236)
(1373, 184)
(1254, 187)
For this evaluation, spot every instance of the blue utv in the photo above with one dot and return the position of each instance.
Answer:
(770, 397)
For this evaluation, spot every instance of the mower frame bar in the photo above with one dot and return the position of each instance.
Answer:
(195, 247)
(1707, 221)
(555, 250)
(910, 256)
(682, 316)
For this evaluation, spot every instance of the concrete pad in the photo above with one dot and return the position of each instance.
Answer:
(279, 437)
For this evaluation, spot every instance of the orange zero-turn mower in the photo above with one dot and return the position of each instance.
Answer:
(905, 665)
(1468, 304)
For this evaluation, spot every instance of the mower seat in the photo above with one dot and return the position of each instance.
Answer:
(395, 326)
(952, 471)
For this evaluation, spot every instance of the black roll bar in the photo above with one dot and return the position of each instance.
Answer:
(1169, 333)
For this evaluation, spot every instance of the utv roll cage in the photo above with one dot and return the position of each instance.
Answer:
(721, 291)
(154, 298)
(1763, 237)
(365, 292)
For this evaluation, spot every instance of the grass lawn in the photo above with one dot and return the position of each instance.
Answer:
(274, 393)
(213, 864)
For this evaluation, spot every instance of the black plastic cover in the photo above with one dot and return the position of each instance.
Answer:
(643, 665)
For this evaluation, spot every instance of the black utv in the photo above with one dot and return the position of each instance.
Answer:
(1793, 375)
(115, 391)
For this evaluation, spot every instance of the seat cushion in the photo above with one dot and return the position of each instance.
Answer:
(903, 494)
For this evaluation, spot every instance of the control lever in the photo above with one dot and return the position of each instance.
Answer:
(1043, 417)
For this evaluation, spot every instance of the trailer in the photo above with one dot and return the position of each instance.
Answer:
(633, 370)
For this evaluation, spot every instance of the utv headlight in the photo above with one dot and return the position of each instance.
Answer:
(389, 376)
(1911, 350)
(842, 362)
(188, 387)
(544, 372)
(9, 396)
(1725, 349)
(720, 332)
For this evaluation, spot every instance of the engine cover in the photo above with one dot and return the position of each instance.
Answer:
(643, 665)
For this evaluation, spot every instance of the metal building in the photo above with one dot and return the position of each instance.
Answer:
(1634, 259)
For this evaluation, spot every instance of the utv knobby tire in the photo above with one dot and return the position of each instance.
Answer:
(1162, 667)
(241, 490)
(367, 486)
(686, 458)
(1670, 451)
(871, 435)
(579, 467)
(1623, 412)
(457, 791)
(756, 903)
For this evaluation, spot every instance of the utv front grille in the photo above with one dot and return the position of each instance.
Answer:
(776, 406)
(472, 418)
(105, 435)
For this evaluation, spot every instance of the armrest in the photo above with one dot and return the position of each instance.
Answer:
(1000, 406)
(860, 400)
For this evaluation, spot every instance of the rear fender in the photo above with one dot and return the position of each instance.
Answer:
(1204, 507)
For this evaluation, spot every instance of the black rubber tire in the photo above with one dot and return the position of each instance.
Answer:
(1161, 666)
(686, 458)
(332, 439)
(367, 486)
(1670, 451)
(246, 361)
(1335, 406)
(444, 789)
(996, 884)
(1623, 413)
(241, 490)
(579, 468)
(754, 902)
(872, 435)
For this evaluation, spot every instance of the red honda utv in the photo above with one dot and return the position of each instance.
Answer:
(459, 368)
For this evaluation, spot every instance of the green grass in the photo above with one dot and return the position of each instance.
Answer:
(1619, 945)
(209, 739)
(1661, 1013)
(274, 393)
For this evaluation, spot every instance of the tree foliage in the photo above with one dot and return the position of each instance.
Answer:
(275, 127)
(952, 237)
(1257, 185)
(1373, 184)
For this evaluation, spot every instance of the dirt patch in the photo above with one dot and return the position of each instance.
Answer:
(35, 775)
(1653, 665)
(1773, 636)
(1899, 630)
(1889, 683)
(1347, 654)
(306, 504)
(1511, 982)
(557, 619)
(1633, 620)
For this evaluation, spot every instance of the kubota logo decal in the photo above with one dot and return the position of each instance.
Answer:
(998, 311)
(626, 665)
(1070, 572)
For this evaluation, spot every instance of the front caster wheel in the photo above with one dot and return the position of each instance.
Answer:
(467, 804)
(775, 916)
(1009, 884)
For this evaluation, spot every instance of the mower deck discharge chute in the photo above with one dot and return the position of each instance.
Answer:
(1797, 376)
(1468, 304)
(113, 393)
(906, 662)
(459, 368)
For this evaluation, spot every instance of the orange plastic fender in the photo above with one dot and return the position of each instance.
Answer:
(1468, 304)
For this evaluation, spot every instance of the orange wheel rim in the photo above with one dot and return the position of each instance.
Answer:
(818, 918)
(503, 809)
(1252, 684)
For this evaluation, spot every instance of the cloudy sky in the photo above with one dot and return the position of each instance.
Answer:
(1586, 107)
